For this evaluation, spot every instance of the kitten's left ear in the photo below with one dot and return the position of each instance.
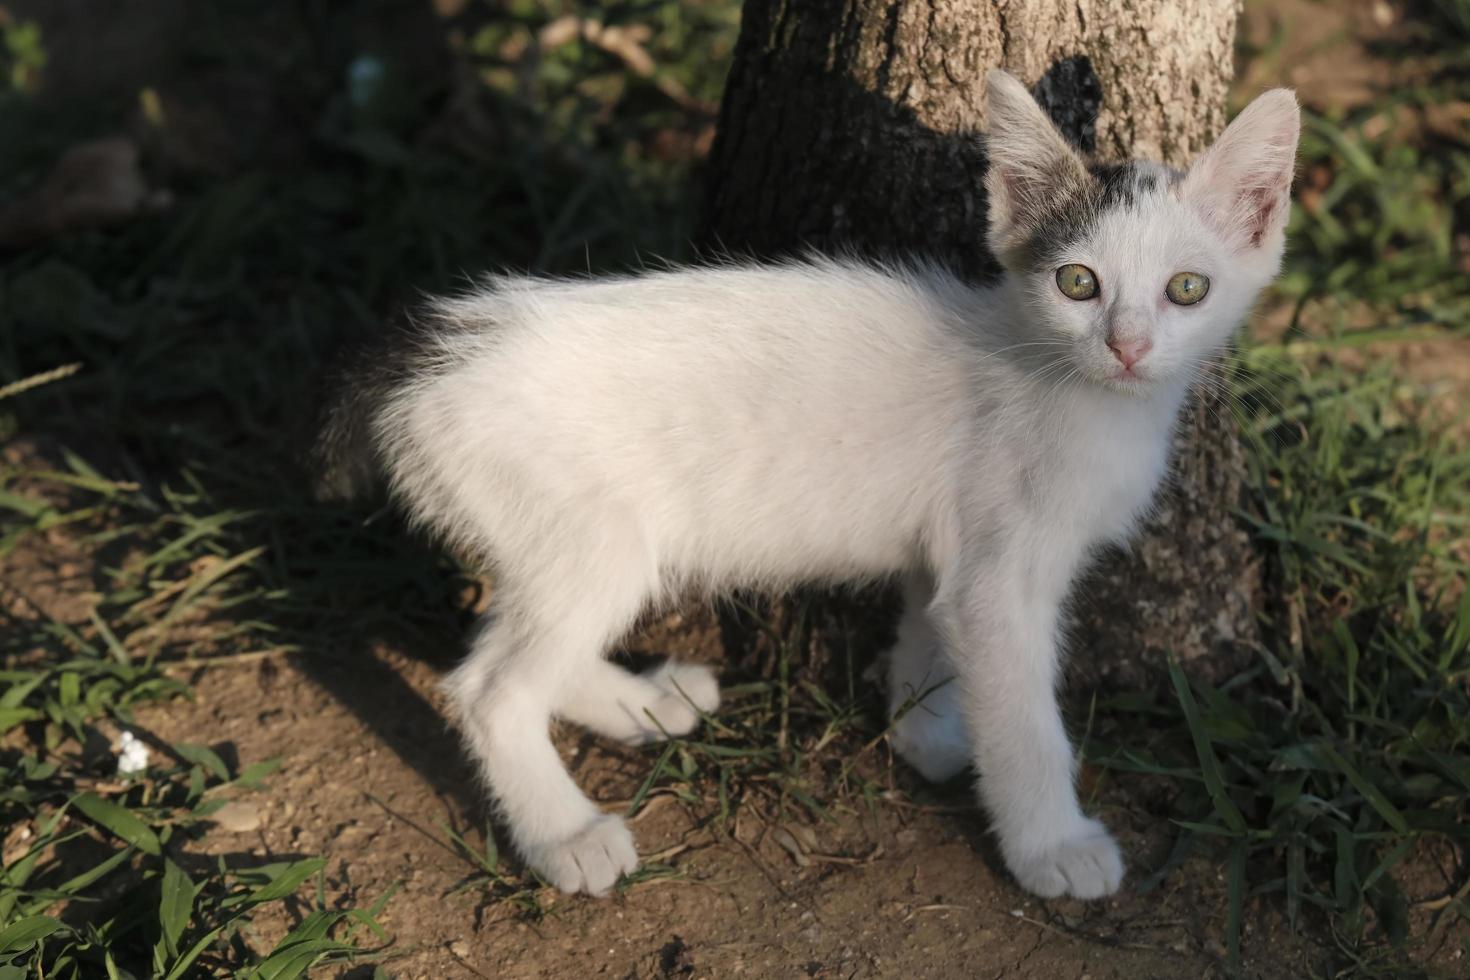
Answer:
(1242, 184)
(1033, 172)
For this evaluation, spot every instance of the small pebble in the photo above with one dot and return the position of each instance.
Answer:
(237, 817)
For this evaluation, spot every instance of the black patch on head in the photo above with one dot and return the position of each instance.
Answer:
(1079, 207)
(1117, 185)
(1125, 184)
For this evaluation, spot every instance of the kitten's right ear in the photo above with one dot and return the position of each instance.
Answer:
(1032, 168)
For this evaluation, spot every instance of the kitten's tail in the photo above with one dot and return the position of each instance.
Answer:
(347, 457)
(344, 458)
(349, 453)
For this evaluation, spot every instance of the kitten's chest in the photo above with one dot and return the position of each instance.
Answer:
(1104, 470)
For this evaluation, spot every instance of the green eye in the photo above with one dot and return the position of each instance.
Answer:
(1187, 288)
(1077, 281)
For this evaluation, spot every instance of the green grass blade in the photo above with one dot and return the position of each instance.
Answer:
(1371, 793)
(119, 821)
(176, 905)
(21, 935)
(1205, 750)
(287, 881)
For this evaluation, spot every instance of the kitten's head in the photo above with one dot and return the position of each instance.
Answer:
(1135, 274)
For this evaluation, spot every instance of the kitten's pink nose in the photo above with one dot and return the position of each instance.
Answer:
(1129, 350)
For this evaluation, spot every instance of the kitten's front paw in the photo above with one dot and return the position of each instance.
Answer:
(689, 690)
(1085, 863)
(590, 861)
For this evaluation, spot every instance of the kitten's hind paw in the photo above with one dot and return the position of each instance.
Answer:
(689, 690)
(1084, 864)
(936, 744)
(589, 861)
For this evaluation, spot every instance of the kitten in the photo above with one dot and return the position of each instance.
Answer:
(607, 444)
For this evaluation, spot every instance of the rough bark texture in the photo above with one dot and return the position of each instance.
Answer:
(851, 124)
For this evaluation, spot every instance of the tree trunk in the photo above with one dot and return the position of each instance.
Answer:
(850, 124)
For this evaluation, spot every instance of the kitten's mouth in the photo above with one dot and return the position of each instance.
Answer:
(1128, 379)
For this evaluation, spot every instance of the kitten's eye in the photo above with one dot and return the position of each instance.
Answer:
(1187, 288)
(1076, 282)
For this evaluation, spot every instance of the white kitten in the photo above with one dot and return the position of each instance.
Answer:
(608, 444)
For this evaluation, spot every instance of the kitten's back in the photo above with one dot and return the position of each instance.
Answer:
(765, 396)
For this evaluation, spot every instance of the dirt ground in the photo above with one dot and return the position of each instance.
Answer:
(908, 885)
(909, 888)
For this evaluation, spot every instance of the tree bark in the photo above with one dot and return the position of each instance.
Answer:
(850, 125)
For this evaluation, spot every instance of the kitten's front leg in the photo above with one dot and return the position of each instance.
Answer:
(1004, 627)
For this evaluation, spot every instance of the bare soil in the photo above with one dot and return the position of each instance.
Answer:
(906, 887)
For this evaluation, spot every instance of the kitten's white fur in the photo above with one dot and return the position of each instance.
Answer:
(609, 444)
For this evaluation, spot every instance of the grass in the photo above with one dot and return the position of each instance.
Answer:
(1313, 779)
(76, 829)
(790, 738)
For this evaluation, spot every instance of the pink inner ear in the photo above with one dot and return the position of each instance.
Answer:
(1262, 204)
(1242, 183)
(1245, 212)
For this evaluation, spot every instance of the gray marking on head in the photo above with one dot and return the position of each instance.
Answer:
(1080, 204)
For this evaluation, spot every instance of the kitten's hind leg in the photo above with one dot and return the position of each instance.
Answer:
(535, 645)
(640, 708)
(924, 703)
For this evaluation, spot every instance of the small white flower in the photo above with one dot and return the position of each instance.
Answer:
(132, 755)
